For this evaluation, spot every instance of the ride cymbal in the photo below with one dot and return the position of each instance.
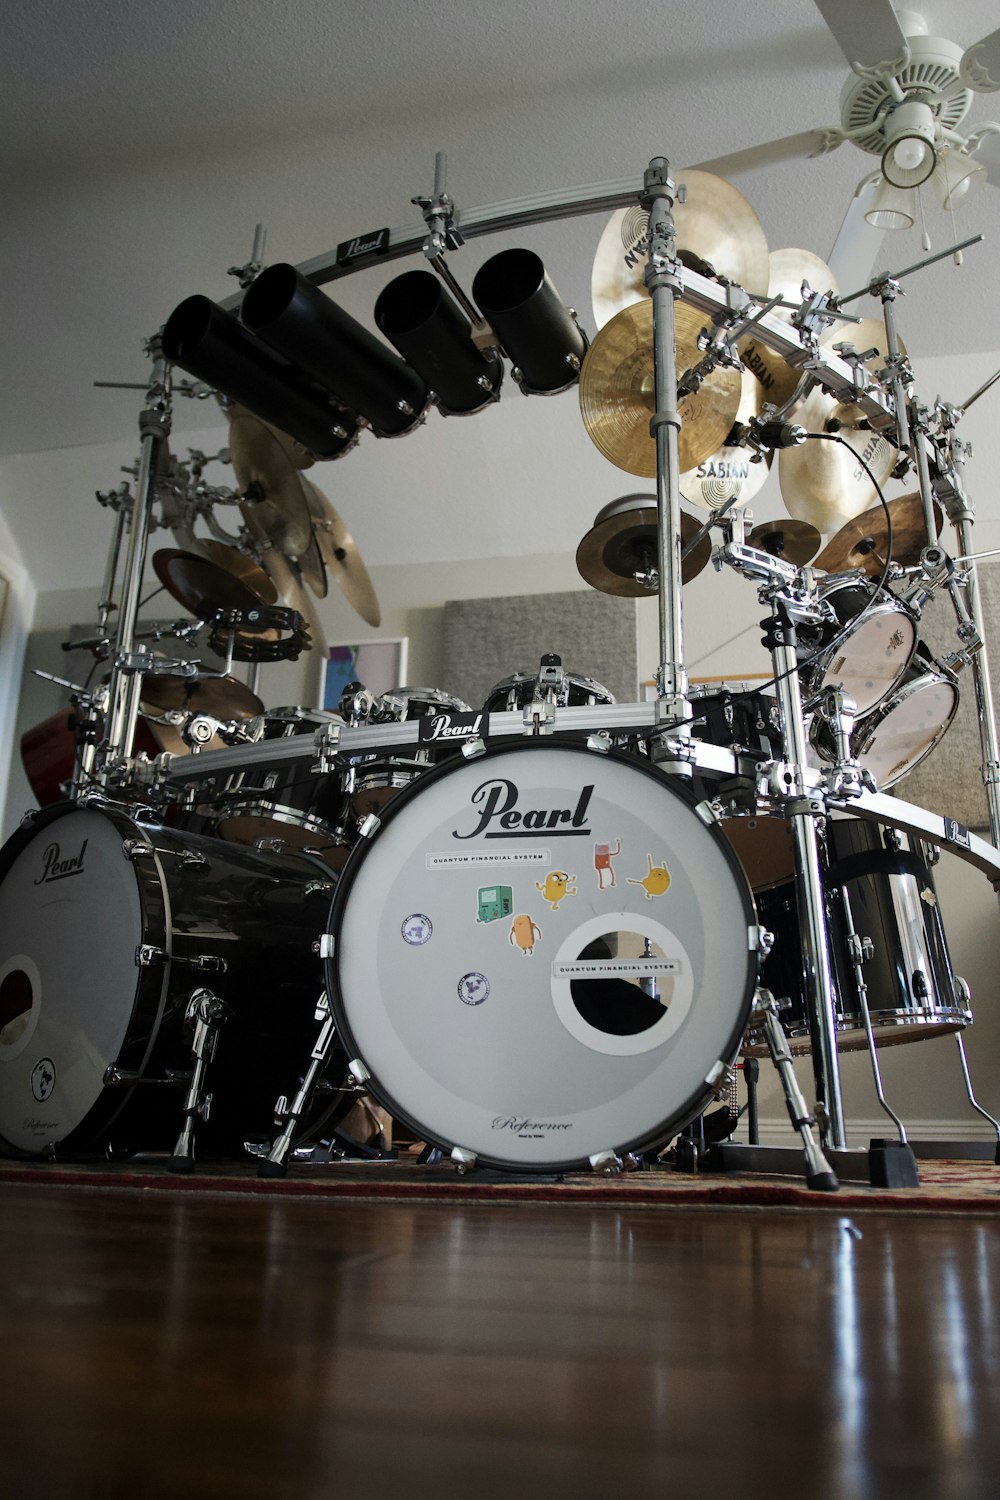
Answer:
(788, 268)
(622, 544)
(342, 558)
(617, 395)
(201, 586)
(863, 542)
(732, 472)
(718, 233)
(793, 541)
(273, 502)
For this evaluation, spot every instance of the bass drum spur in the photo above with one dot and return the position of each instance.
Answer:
(107, 928)
(565, 957)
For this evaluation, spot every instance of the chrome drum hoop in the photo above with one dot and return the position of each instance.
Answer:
(898, 735)
(878, 642)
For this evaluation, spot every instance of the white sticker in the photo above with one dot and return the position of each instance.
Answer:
(625, 968)
(416, 929)
(488, 857)
(473, 988)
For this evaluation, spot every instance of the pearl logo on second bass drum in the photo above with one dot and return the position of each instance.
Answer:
(55, 867)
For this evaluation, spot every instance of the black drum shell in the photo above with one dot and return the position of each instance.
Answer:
(516, 294)
(431, 331)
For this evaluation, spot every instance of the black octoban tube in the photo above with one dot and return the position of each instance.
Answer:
(532, 323)
(296, 318)
(427, 326)
(211, 345)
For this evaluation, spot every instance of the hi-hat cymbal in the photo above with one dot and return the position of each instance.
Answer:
(717, 233)
(788, 268)
(821, 481)
(863, 542)
(222, 697)
(617, 396)
(732, 472)
(793, 541)
(342, 558)
(274, 504)
(623, 542)
(200, 585)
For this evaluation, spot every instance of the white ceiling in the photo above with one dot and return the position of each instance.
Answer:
(142, 141)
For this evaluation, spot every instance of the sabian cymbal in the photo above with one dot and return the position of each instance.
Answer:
(623, 542)
(240, 566)
(222, 697)
(200, 585)
(286, 576)
(822, 481)
(718, 233)
(274, 504)
(793, 541)
(342, 558)
(732, 471)
(863, 542)
(788, 268)
(617, 395)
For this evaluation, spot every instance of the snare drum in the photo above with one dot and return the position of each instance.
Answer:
(521, 688)
(878, 885)
(565, 958)
(287, 801)
(870, 644)
(107, 927)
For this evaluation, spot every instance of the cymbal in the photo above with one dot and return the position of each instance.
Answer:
(729, 472)
(623, 542)
(823, 482)
(222, 697)
(788, 268)
(196, 582)
(286, 576)
(862, 542)
(342, 558)
(617, 396)
(274, 505)
(718, 233)
(794, 541)
(240, 565)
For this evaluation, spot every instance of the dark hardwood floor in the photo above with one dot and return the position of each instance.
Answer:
(185, 1345)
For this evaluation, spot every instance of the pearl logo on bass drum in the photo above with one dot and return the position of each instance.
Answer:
(54, 867)
(500, 817)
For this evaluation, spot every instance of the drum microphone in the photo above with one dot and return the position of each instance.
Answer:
(777, 434)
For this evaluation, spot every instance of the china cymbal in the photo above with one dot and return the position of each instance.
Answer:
(718, 233)
(342, 558)
(623, 542)
(222, 697)
(617, 395)
(793, 541)
(274, 504)
(863, 541)
(732, 471)
(823, 482)
(195, 583)
(788, 268)
(240, 566)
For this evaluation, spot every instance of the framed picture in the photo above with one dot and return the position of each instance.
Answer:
(379, 665)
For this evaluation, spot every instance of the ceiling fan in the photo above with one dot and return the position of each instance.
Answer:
(904, 103)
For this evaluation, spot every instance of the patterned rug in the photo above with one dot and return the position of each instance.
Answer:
(946, 1186)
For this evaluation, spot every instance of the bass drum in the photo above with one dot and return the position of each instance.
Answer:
(541, 955)
(107, 927)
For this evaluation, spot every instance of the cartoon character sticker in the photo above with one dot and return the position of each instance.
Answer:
(655, 881)
(555, 887)
(495, 902)
(524, 933)
(603, 855)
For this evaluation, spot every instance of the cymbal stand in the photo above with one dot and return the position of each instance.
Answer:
(663, 282)
(127, 666)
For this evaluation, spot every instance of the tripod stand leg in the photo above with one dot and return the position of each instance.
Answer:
(819, 1174)
(972, 1098)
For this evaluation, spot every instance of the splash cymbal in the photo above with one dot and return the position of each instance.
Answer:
(274, 504)
(342, 558)
(617, 396)
(718, 233)
(863, 542)
(222, 697)
(732, 471)
(793, 541)
(788, 268)
(623, 543)
(200, 585)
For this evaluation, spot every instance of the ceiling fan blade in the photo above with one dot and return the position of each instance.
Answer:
(980, 65)
(867, 32)
(788, 148)
(855, 250)
(988, 152)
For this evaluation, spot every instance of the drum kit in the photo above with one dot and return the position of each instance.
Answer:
(543, 933)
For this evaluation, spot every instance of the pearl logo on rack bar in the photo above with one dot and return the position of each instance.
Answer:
(501, 818)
